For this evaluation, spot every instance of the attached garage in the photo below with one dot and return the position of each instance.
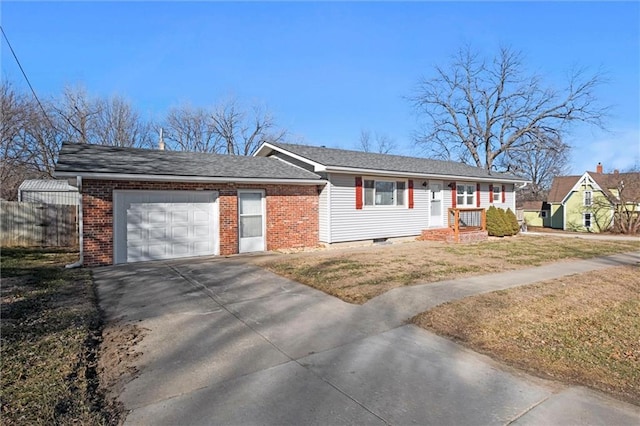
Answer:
(141, 204)
(156, 225)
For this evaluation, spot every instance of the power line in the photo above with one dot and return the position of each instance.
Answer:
(26, 78)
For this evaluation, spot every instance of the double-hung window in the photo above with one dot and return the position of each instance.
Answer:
(384, 192)
(588, 198)
(496, 193)
(586, 220)
(465, 194)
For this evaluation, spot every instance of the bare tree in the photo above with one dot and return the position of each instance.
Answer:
(117, 123)
(380, 143)
(190, 129)
(28, 140)
(32, 132)
(626, 215)
(242, 130)
(100, 121)
(478, 111)
(76, 114)
(539, 163)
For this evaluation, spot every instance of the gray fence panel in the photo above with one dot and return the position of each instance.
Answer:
(35, 224)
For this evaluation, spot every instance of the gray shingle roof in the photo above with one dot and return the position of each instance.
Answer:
(392, 163)
(84, 158)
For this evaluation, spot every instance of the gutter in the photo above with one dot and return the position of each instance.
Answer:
(203, 179)
(374, 172)
(80, 228)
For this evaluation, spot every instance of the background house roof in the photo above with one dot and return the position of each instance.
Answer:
(608, 181)
(333, 157)
(47, 185)
(533, 205)
(561, 185)
(83, 159)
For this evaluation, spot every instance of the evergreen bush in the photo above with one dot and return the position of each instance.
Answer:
(512, 222)
(495, 223)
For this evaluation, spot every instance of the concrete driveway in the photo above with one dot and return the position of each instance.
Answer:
(230, 343)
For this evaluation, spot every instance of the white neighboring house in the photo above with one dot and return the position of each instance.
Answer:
(48, 191)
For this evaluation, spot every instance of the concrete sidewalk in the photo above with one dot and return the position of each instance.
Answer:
(584, 235)
(229, 343)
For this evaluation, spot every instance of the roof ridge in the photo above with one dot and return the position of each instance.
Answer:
(329, 157)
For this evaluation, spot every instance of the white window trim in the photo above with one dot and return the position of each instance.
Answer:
(395, 193)
(584, 220)
(465, 185)
(584, 198)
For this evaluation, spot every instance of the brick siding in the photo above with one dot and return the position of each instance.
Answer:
(447, 235)
(291, 214)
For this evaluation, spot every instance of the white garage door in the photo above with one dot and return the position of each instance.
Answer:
(154, 225)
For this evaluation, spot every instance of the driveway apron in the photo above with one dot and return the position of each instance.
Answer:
(229, 343)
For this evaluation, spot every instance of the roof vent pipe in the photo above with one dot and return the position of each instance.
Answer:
(161, 141)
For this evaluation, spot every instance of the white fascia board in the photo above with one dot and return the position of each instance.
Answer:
(266, 147)
(374, 172)
(170, 178)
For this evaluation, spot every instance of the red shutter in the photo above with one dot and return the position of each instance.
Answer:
(410, 193)
(491, 193)
(453, 195)
(477, 195)
(504, 194)
(358, 193)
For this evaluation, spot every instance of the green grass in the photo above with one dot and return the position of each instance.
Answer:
(50, 332)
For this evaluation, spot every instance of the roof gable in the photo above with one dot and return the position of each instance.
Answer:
(82, 159)
(562, 186)
(323, 158)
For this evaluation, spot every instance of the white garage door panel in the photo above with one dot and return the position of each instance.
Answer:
(152, 225)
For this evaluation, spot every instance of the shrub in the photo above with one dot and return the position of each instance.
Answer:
(495, 222)
(512, 222)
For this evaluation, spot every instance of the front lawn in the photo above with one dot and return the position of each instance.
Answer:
(582, 329)
(50, 337)
(356, 275)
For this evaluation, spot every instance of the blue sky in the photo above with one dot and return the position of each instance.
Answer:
(326, 70)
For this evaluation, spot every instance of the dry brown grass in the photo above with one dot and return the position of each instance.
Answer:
(356, 275)
(582, 329)
(50, 335)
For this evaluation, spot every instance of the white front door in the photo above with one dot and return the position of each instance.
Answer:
(251, 221)
(435, 220)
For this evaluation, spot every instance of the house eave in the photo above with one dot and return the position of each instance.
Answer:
(376, 172)
(178, 178)
(266, 148)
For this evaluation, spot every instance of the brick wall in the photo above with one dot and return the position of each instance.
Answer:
(438, 234)
(291, 214)
(447, 235)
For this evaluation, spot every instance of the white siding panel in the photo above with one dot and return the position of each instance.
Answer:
(349, 224)
(484, 195)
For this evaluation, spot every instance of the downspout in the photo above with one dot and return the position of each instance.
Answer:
(80, 227)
